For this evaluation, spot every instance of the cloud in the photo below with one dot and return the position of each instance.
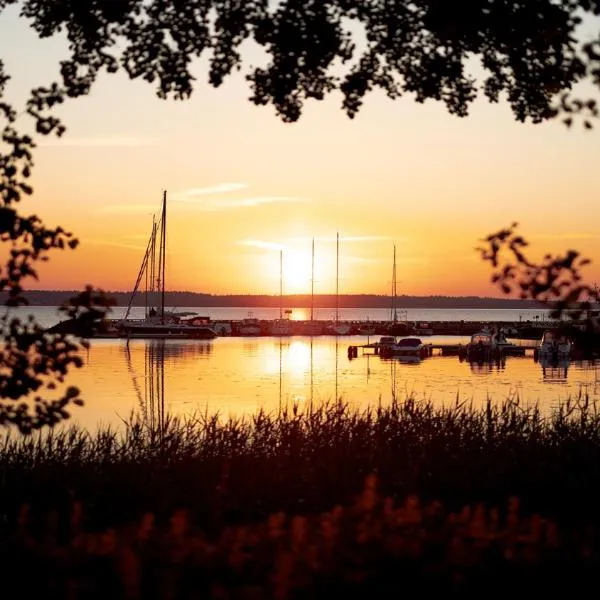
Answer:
(219, 188)
(261, 244)
(126, 209)
(348, 239)
(117, 244)
(565, 236)
(101, 142)
(215, 204)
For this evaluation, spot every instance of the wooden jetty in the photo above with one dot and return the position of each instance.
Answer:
(445, 349)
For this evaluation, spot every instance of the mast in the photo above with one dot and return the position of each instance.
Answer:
(281, 284)
(312, 285)
(163, 249)
(153, 263)
(337, 277)
(394, 314)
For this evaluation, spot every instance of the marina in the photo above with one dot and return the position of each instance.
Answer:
(237, 376)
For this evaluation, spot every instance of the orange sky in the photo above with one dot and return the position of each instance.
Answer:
(242, 184)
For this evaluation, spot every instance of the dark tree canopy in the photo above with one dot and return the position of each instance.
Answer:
(528, 50)
(420, 47)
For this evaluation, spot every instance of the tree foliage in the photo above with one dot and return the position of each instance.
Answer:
(528, 50)
(556, 281)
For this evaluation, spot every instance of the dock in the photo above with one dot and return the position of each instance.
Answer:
(445, 349)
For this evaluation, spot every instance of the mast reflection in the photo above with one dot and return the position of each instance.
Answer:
(157, 354)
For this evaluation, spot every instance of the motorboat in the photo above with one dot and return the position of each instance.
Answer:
(553, 345)
(485, 344)
(386, 341)
(409, 346)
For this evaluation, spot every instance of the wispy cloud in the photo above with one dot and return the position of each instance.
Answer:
(261, 244)
(101, 142)
(118, 244)
(219, 188)
(346, 239)
(126, 209)
(565, 236)
(112, 243)
(215, 204)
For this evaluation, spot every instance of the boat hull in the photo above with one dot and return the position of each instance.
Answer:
(166, 332)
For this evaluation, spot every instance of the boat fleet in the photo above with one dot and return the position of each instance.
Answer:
(158, 322)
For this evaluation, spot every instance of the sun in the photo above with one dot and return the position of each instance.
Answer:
(296, 272)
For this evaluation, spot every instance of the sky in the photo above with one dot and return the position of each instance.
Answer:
(242, 185)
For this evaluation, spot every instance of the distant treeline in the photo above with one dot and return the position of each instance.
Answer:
(181, 299)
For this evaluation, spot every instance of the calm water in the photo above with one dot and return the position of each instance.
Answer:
(48, 315)
(237, 376)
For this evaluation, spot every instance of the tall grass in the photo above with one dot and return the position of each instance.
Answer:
(307, 461)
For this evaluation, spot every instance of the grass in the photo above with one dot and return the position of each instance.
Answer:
(306, 462)
(316, 504)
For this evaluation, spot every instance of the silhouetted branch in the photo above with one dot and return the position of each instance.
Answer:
(556, 281)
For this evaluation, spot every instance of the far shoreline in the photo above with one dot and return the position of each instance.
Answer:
(321, 301)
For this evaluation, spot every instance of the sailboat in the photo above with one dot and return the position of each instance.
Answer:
(158, 322)
(312, 327)
(338, 328)
(395, 326)
(281, 326)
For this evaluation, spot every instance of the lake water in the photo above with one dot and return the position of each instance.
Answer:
(48, 315)
(237, 376)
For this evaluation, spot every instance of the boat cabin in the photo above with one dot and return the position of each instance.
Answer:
(481, 339)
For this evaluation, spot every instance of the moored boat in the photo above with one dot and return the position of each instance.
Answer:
(554, 346)
(160, 323)
(410, 346)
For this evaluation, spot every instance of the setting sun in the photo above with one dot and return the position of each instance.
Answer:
(297, 272)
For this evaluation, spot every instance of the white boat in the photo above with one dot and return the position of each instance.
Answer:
(486, 343)
(554, 345)
(386, 340)
(409, 346)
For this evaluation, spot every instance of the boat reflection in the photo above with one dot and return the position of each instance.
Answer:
(485, 367)
(554, 369)
(158, 353)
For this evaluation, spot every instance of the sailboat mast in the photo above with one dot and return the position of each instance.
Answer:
(337, 277)
(153, 264)
(312, 284)
(394, 315)
(163, 239)
(280, 284)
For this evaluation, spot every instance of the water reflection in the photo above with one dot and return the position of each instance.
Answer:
(554, 369)
(232, 376)
(485, 367)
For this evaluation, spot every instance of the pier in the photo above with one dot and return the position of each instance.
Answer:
(444, 349)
